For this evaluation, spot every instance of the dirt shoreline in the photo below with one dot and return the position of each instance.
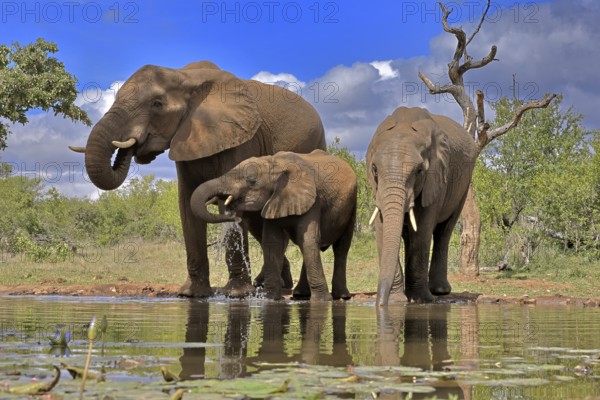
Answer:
(144, 290)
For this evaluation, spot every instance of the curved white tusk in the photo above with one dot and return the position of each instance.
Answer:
(374, 216)
(212, 201)
(229, 200)
(413, 221)
(124, 145)
(77, 149)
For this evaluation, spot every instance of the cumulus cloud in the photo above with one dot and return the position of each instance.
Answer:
(282, 79)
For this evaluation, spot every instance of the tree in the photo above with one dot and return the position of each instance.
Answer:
(30, 78)
(540, 177)
(475, 124)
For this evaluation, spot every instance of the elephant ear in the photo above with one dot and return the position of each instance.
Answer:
(221, 115)
(436, 175)
(294, 194)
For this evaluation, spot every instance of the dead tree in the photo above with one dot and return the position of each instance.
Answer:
(474, 122)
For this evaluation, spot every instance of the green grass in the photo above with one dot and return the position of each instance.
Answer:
(550, 272)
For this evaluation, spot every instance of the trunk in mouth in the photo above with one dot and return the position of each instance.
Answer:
(98, 154)
(201, 195)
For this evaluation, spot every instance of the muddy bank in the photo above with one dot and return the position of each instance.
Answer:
(170, 291)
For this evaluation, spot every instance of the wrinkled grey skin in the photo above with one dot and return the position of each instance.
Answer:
(310, 197)
(211, 121)
(422, 161)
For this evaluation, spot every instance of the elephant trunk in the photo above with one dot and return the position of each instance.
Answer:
(393, 221)
(202, 195)
(98, 154)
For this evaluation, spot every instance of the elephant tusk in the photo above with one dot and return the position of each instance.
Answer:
(229, 200)
(124, 145)
(212, 201)
(413, 221)
(374, 216)
(77, 149)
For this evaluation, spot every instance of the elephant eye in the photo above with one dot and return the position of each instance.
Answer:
(251, 180)
(157, 103)
(374, 170)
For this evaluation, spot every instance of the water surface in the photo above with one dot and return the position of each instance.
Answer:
(342, 349)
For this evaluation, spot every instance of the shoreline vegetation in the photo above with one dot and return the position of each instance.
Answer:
(141, 269)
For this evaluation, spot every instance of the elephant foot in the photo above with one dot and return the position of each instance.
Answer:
(194, 289)
(259, 281)
(238, 289)
(320, 297)
(301, 291)
(440, 288)
(343, 293)
(286, 276)
(419, 295)
(397, 297)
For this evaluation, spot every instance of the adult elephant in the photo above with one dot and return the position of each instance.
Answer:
(211, 121)
(419, 166)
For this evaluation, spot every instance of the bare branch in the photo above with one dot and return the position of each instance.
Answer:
(480, 22)
(501, 130)
(478, 64)
(461, 46)
(437, 89)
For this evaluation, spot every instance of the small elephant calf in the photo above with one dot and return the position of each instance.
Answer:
(310, 197)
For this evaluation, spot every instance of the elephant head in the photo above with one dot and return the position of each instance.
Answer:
(278, 186)
(196, 111)
(407, 167)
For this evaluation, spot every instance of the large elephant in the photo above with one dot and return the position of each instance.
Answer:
(419, 166)
(310, 197)
(211, 121)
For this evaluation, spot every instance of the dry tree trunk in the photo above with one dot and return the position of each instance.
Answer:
(469, 237)
(474, 123)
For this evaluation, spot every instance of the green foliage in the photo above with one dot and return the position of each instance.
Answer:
(30, 78)
(364, 199)
(538, 184)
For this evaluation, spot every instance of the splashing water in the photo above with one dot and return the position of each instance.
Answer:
(235, 229)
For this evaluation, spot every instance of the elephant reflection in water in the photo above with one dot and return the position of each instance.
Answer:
(423, 330)
(277, 330)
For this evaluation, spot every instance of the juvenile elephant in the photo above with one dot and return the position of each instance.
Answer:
(211, 121)
(310, 197)
(419, 166)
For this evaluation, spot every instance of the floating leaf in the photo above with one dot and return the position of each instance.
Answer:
(168, 375)
(178, 395)
(37, 387)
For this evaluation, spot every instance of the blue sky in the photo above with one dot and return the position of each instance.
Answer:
(364, 55)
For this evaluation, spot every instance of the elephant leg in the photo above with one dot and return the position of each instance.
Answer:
(417, 263)
(438, 272)
(339, 288)
(194, 235)
(302, 289)
(273, 247)
(311, 253)
(238, 263)
(255, 227)
(397, 294)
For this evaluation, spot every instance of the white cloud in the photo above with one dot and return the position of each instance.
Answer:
(282, 79)
(386, 71)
